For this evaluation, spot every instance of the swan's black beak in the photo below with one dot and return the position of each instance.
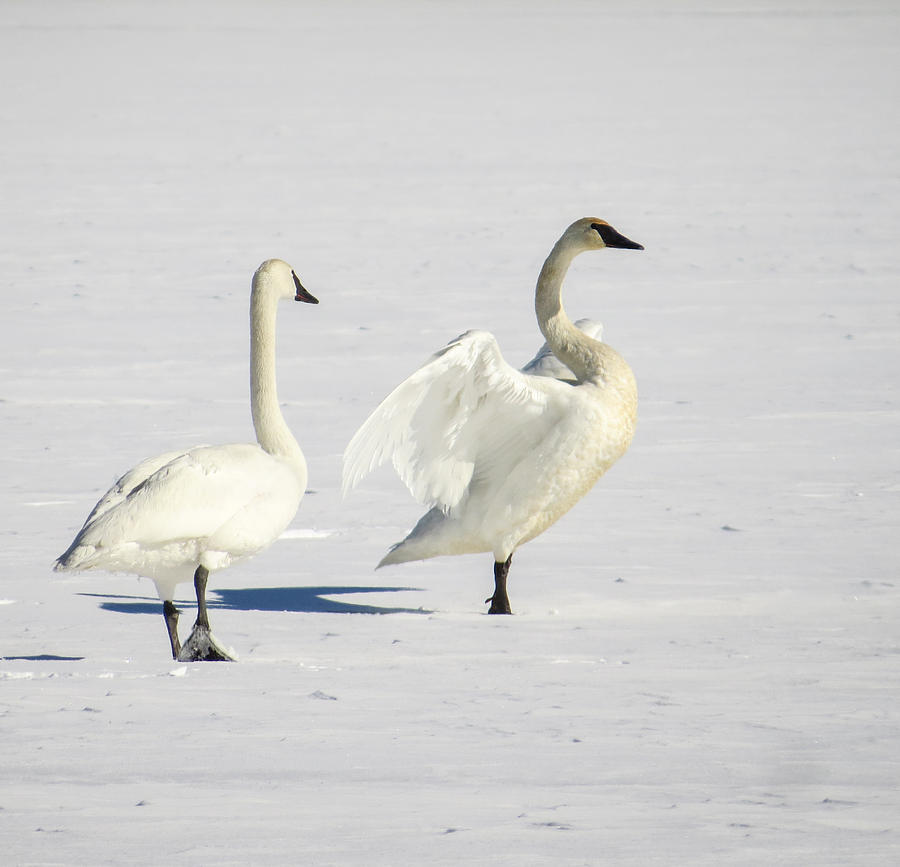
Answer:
(302, 294)
(611, 238)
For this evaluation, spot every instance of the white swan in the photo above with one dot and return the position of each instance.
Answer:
(188, 513)
(499, 455)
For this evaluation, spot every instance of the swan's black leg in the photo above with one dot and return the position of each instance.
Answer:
(201, 646)
(170, 612)
(200, 577)
(500, 601)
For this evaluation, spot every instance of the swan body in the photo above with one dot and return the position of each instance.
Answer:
(500, 454)
(184, 514)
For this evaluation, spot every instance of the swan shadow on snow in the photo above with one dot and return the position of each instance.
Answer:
(309, 600)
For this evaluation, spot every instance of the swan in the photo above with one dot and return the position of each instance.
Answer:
(189, 513)
(500, 454)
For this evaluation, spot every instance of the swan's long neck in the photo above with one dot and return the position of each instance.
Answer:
(581, 354)
(589, 359)
(272, 432)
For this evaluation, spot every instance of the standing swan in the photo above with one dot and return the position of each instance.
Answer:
(191, 512)
(498, 454)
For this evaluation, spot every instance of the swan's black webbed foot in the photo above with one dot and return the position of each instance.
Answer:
(202, 646)
(500, 601)
(170, 612)
(498, 606)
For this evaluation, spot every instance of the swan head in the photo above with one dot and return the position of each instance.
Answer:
(277, 277)
(592, 233)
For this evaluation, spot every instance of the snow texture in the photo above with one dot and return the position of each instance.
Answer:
(704, 663)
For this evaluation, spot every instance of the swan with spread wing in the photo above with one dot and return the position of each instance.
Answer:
(500, 454)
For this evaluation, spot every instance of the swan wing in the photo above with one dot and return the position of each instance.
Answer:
(127, 483)
(235, 498)
(465, 413)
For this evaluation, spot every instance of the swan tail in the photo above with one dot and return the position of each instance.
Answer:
(400, 553)
(435, 535)
(420, 542)
(77, 558)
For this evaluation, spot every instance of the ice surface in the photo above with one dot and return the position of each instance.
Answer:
(703, 667)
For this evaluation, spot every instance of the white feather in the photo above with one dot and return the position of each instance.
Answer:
(446, 419)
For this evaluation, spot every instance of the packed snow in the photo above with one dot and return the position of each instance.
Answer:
(702, 667)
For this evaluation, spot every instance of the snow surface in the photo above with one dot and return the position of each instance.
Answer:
(703, 665)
